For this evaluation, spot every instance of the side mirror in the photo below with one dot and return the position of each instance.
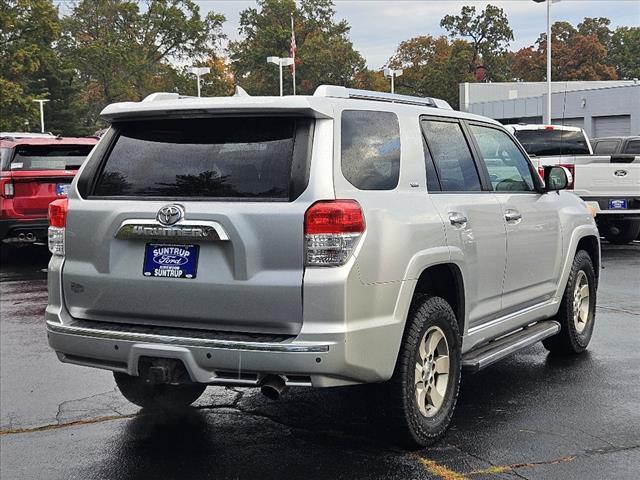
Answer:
(557, 178)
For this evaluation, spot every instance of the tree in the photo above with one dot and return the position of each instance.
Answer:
(28, 29)
(489, 35)
(324, 52)
(624, 52)
(124, 52)
(432, 67)
(575, 56)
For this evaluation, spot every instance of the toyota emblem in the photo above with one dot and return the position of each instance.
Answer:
(170, 214)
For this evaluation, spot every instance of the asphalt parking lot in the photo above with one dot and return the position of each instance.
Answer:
(531, 416)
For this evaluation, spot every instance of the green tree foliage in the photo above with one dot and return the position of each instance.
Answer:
(28, 29)
(575, 55)
(489, 35)
(624, 54)
(123, 50)
(432, 66)
(325, 54)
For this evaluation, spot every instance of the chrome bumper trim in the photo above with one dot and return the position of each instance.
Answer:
(185, 341)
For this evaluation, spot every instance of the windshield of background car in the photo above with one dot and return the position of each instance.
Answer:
(553, 142)
(201, 157)
(45, 157)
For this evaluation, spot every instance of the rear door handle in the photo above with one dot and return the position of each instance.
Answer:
(512, 216)
(457, 219)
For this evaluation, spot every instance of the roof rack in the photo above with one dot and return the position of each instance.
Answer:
(158, 96)
(343, 92)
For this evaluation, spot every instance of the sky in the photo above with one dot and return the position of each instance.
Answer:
(377, 27)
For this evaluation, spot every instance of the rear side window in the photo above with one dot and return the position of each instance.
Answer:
(231, 158)
(44, 157)
(606, 147)
(5, 157)
(546, 142)
(452, 157)
(370, 149)
(633, 147)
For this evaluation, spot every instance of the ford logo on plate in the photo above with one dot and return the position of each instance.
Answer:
(620, 173)
(175, 256)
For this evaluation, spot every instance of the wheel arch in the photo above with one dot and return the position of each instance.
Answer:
(444, 280)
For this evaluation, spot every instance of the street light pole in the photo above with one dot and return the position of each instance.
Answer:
(41, 102)
(198, 72)
(281, 62)
(549, 62)
(389, 73)
(547, 118)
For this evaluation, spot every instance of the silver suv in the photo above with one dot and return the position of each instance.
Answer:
(341, 238)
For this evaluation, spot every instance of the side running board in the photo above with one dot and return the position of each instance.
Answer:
(485, 355)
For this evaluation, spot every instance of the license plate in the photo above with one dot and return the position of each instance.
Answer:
(170, 261)
(617, 204)
(62, 189)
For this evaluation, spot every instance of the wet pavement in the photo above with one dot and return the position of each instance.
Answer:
(531, 416)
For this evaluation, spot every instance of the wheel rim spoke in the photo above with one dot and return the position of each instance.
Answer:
(433, 341)
(423, 349)
(436, 397)
(442, 364)
(421, 398)
(418, 373)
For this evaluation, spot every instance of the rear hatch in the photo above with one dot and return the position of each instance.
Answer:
(192, 223)
(42, 173)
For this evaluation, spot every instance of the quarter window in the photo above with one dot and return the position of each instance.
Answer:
(606, 147)
(633, 147)
(452, 157)
(370, 149)
(508, 168)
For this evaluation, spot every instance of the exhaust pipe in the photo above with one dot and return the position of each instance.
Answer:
(273, 387)
(21, 237)
(30, 237)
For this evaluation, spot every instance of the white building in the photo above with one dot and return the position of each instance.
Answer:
(602, 108)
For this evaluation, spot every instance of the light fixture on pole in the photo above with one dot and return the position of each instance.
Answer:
(41, 102)
(198, 72)
(281, 62)
(392, 74)
(547, 118)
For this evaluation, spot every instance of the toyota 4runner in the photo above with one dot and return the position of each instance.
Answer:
(341, 238)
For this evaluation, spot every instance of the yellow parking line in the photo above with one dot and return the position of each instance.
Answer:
(441, 471)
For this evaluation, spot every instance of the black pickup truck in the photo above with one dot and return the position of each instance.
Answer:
(616, 146)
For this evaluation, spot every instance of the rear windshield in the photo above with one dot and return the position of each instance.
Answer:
(553, 142)
(203, 157)
(44, 157)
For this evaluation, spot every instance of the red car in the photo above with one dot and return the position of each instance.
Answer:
(35, 170)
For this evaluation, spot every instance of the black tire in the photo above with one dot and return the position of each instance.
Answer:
(621, 232)
(157, 396)
(407, 423)
(570, 340)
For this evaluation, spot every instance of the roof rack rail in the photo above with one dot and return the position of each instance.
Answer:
(158, 96)
(343, 92)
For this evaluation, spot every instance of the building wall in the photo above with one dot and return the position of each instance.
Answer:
(611, 109)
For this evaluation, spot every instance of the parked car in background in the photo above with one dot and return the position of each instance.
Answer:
(608, 181)
(35, 170)
(342, 238)
(551, 140)
(616, 146)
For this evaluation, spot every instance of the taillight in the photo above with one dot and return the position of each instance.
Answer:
(572, 171)
(332, 229)
(57, 223)
(7, 188)
(541, 172)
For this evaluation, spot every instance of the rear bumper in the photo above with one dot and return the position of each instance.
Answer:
(10, 230)
(319, 356)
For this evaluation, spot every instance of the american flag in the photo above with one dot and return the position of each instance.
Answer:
(292, 53)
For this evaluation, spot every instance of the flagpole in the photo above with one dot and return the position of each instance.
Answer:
(293, 54)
